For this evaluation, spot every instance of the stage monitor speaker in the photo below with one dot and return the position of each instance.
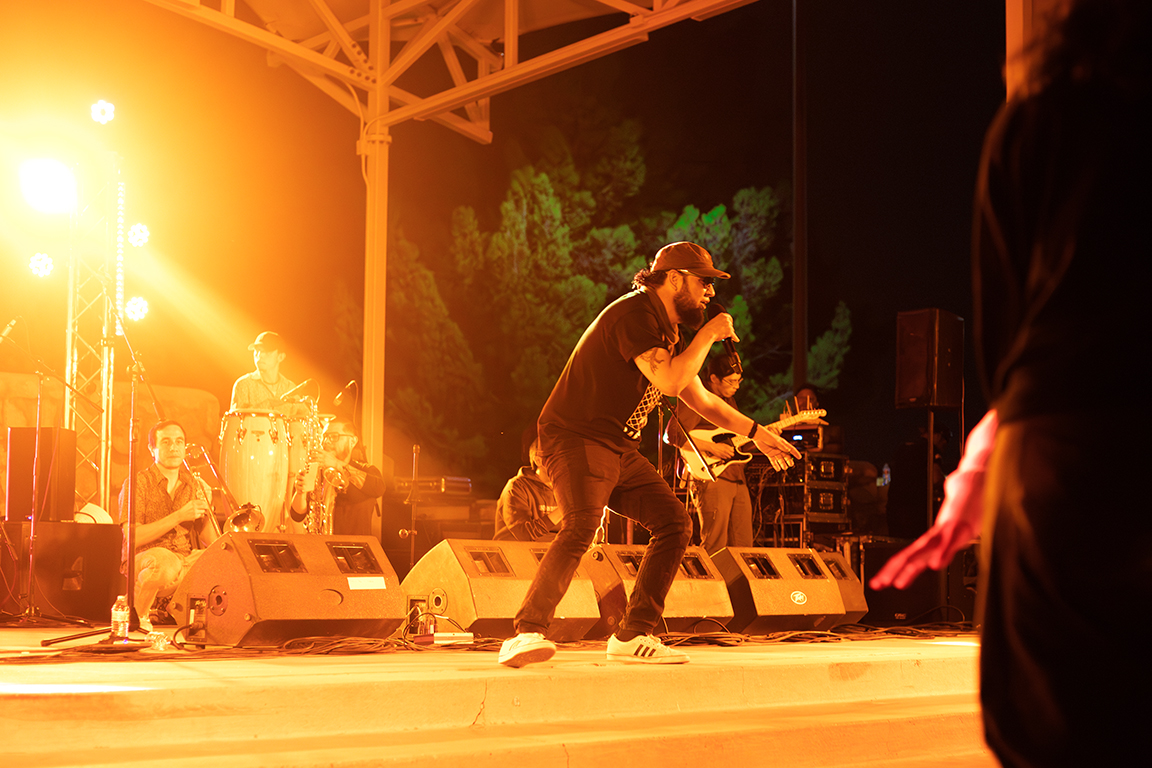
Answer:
(481, 585)
(77, 569)
(261, 589)
(697, 601)
(929, 359)
(851, 589)
(780, 590)
(56, 484)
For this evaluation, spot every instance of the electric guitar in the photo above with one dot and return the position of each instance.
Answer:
(738, 442)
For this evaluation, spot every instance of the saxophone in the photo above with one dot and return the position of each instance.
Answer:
(329, 481)
(322, 501)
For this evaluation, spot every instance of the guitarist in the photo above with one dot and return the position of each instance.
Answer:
(725, 506)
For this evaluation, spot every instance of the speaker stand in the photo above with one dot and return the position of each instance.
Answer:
(31, 617)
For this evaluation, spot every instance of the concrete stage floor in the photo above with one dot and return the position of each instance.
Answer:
(897, 702)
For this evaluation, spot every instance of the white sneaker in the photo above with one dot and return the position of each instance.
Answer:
(526, 648)
(145, 624)
(644, 649)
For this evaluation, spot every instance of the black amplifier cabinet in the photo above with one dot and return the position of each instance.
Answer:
(77, 569)
(261, 589)
(814, 468)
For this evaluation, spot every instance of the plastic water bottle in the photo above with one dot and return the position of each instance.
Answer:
(121, 618)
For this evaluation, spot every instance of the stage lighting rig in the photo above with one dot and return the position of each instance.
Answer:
(138, 235)
(103, 112)
(136, 308)
(41, 265)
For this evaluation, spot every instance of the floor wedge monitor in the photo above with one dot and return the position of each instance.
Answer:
(479, 585)
(851, 590)
(780, 590)
(697, 601)
(261, 589)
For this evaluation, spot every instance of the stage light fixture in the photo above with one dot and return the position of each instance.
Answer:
(138, 235)
(103, 112)
(48, 185)
(136, 308)
(41, 265)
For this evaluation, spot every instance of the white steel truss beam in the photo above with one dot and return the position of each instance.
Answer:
(273, 42)
(425, 39)
(341, 36)
(314, 57)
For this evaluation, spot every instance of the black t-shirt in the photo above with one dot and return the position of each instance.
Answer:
(601, 395)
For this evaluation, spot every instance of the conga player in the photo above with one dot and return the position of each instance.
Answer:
(263, 388)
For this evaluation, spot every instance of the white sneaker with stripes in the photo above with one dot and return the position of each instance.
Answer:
(526, 648)
(644, 649)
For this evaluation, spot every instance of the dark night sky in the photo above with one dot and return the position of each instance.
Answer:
(248, 179)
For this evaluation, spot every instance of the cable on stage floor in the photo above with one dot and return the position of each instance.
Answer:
(400, 642)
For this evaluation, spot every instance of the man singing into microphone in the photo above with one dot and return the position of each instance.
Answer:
(263, 388)
(589, 432)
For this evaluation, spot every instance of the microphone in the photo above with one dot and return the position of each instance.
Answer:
(8, 328)
(729, 346)
(340, 396)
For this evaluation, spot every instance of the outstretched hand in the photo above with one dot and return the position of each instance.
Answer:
(961, 515)
(960, 519)
(781, 453)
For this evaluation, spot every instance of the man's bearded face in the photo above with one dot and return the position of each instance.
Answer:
(689, 306)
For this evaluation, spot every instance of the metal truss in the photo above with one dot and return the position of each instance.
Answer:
(477, 41)
(91, 332)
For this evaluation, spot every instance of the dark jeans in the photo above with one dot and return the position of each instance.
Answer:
(586, 477)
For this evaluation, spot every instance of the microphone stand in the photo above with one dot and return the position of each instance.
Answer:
(413, 501)
(138, 373)
(667, 404)
(31, 616)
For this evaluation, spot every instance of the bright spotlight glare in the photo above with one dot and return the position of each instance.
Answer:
(41, 265)
(48, 185)
(138, 235)
(136, 308)
(102, 112)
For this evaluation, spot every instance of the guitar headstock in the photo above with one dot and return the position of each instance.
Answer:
(807, 416)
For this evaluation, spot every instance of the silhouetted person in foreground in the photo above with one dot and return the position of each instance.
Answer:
(1061, 243)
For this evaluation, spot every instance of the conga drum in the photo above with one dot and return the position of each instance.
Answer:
(254, 449)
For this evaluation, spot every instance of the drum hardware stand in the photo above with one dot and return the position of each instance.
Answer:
(413, 501)
(31, 616)
(138, 373)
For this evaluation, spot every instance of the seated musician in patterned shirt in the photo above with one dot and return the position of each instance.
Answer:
(170, 521)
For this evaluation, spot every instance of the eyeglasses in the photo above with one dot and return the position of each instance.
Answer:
(334, 435)
(705, 281)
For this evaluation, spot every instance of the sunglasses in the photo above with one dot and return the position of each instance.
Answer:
(706, 281)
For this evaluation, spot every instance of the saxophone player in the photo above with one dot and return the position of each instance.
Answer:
(345, 486)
